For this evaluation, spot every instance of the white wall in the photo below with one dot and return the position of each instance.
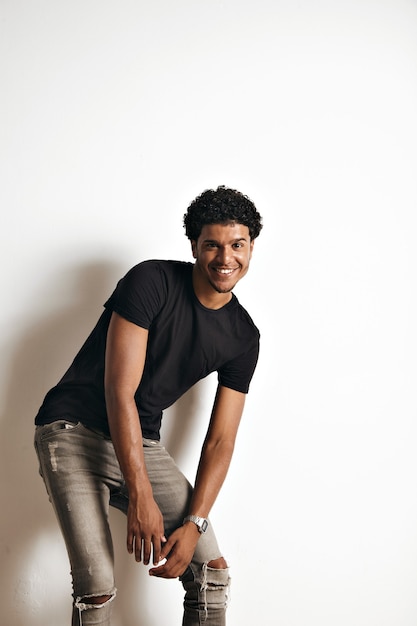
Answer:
(114, 116)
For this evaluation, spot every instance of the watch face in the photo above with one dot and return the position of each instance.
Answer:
(204, 526)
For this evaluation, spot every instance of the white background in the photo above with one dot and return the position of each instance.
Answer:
(114, 116)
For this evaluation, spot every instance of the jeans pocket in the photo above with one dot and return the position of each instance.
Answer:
(48, 431)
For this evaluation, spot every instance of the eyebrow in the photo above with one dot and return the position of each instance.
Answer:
(232, 241)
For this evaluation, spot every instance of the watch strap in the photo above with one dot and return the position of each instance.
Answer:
(200, 522)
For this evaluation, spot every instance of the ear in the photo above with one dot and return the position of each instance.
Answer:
(194, 248)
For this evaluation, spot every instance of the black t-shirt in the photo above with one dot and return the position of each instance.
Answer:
(186, 342)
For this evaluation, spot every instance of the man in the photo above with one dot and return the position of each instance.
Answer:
(167, 325)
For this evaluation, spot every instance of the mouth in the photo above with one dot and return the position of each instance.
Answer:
(223, 279)
(224, 272)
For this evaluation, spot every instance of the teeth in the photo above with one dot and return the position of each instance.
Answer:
(225, 271)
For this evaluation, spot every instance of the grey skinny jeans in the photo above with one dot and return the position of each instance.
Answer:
(83, 477)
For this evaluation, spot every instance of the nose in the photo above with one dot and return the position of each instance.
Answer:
(224, 255)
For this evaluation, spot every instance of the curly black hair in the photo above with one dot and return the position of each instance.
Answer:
(221, 206)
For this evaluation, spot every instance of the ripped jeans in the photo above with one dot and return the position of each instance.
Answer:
(83, 477)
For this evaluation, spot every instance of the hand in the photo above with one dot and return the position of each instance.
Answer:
(178, 551)
(145, 531)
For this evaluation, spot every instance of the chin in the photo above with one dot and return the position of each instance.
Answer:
(224, 289)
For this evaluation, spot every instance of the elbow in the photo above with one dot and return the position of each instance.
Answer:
(221, 448)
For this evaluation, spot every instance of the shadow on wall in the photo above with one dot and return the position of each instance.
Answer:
(40, 356)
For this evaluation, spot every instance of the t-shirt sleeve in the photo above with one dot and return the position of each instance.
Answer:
(140, 294)
(237, 373)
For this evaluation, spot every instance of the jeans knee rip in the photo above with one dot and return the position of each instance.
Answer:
(81, 604)
(212, 577)
(216, 582)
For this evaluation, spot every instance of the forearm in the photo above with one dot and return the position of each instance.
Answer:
(217, 449)
(212, 470)
(126, 434)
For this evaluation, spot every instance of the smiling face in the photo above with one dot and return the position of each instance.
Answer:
(222, 253)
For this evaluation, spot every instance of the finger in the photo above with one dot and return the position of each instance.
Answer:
(166, 571)
(138, 548)
(166, 548)
(172, 568)
(156, 550)
(129, 542)
(147, 548)
(159, 572)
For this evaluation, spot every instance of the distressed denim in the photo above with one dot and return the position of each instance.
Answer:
(83, 478)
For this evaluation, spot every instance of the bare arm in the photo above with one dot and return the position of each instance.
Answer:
(214, 463)
(217, 449)
(125, 359)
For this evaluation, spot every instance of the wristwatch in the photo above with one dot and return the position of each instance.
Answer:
(200, 522)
